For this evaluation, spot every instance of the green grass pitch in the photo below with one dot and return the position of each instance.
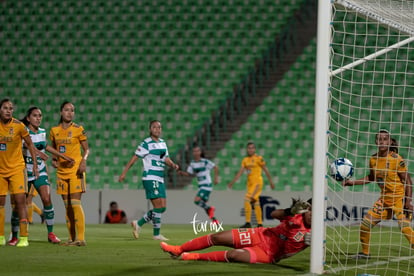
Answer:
(111, 250)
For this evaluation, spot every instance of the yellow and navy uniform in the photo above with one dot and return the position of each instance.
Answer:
(385, 170)
(12, 165)
(68, 142)
(253, 166)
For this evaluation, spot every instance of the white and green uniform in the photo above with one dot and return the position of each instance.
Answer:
(201, 169)
(39, 141)
(153, 154)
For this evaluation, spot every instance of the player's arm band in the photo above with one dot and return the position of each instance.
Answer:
(288, 212)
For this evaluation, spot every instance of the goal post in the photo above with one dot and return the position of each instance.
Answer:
(364, 83)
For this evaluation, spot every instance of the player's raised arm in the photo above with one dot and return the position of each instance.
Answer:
(131, 162)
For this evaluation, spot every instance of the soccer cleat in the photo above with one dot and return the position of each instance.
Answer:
(210, 212)
(23, 242)
(174, 250)
(51, 237)
(136, 229)
(74, 243)
(13, 241)
(189, 256)
(2, 240)
(66, 243)
(246, 225)
(361, 256)
(160, 238)
(260, 225)
(215, 221)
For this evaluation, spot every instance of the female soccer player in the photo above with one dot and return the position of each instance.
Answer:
(253, 164)
(389, 170)
(201, 167)
(257, 245)
(32, 120)
(70, 139)
(154, 153)
(12, 168)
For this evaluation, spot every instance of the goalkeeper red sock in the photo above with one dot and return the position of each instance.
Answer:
(197, 244)
(216, 256)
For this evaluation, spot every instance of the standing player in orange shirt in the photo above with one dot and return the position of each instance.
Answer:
(12, 168)
(69, 138)
(389, 170)
(253, 164)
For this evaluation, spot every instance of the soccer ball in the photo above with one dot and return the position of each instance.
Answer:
(341, 169)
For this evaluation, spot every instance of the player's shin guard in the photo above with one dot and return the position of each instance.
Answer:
(407, 230)
(24, 228)
(156, 220)
(248, 210)
(202, 204)
(258, 212)
(49, 213)
(365, 234)
(216, 256)
(197, 244)
(68, 225)
(146, 218)
(2, 219)
(15, 224)
(79, 219)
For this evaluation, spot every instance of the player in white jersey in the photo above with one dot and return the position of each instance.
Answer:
(200, 167)
(154, 153)
(32, 120)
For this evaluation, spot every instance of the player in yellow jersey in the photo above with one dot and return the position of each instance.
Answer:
(12, 168)
(70, 139)
(253, 164)
(389, 170)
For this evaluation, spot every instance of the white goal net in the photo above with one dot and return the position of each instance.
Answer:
(371, 88)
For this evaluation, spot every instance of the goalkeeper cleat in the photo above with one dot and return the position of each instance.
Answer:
(2, 240)
(135, 229)
(51, 237)
(173, 250)
(246, 225)
(23, 242)
(361, 256)
(190, 256)
(160, 238)
(13, 241)
(210, 212)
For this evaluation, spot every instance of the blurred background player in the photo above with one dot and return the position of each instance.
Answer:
(201, 167)
(253, 165)
(41, 185)
(70, 139)
(154, 153)
(115, 215)
(12, 168)
(256, 245)
(389, 170)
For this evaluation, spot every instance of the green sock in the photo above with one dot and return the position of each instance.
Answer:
(15, 224)
(202, 204)
(146, 218)
(49, 214)
(156, 220)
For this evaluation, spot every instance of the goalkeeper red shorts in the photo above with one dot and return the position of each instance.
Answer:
(252, 240)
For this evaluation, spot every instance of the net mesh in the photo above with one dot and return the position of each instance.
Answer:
(375, 94)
